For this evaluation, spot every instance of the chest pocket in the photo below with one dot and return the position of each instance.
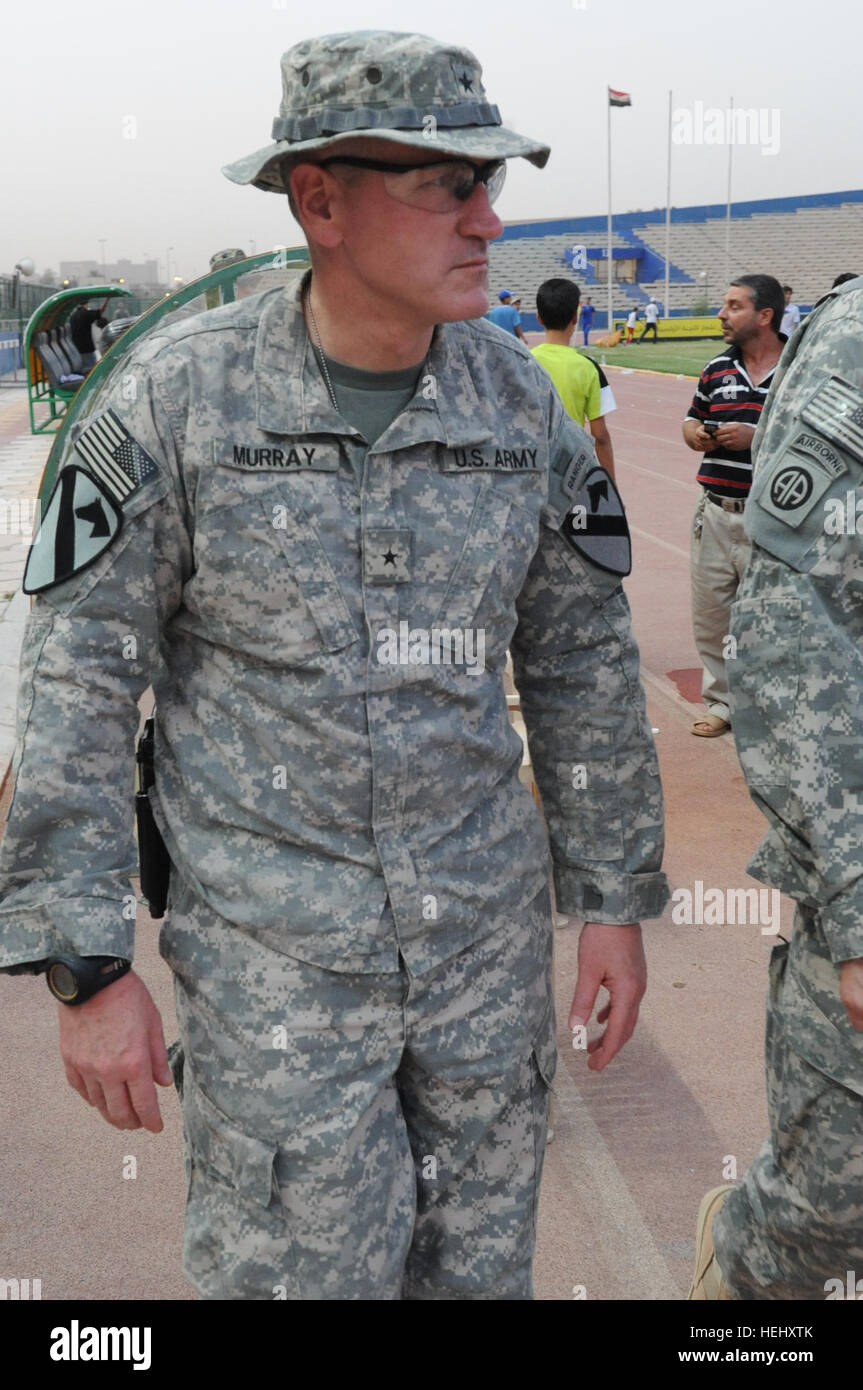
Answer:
(502, 536)
(264, 585)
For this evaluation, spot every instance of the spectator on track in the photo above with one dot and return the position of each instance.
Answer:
(720, 424)
(506, 315)
(587, 312)
(575, 376)
(631, 320)
(651, 317)
(791, 316)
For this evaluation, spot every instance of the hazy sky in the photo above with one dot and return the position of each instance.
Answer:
(197, 83)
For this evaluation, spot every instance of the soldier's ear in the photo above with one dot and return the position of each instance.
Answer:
(319, 199)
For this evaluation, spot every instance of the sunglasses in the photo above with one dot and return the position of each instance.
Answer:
(442, 187)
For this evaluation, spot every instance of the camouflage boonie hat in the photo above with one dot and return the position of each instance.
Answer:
(389, 86)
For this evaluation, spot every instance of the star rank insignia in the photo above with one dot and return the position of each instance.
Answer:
(387, 556)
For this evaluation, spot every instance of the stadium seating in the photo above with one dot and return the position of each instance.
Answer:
(804, 242)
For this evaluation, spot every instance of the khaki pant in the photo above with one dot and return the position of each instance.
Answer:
(361, 1136)
(719, 554)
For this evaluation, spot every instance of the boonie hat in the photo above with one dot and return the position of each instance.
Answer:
(375, 83)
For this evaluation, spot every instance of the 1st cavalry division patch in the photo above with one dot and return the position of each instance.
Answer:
(596, 526)
(84, 515)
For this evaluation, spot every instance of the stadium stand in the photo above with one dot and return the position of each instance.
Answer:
(803, 241)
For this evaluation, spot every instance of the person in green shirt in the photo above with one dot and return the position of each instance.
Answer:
(575, 376)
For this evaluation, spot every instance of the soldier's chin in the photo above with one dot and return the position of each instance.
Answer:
(470, 304)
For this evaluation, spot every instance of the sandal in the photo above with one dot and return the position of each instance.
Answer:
(711, 726)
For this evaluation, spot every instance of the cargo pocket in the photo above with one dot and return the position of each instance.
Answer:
(226, 1154)
(773, 1047)
(589, 794)
(815, 1085)
(545, 1049)
(237, 1242)
(764, 692)
(542, 1070)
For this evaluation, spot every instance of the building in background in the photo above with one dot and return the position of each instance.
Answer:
(138, 276)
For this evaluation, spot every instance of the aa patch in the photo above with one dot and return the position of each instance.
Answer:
(836, 411)
(792, 489)
(596, 526)
(80, 522)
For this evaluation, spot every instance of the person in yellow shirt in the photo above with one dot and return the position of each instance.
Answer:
(576, 377)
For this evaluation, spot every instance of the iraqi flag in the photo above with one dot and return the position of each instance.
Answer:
(618, 98)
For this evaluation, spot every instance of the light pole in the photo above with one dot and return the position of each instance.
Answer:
(23, 267)
(702, 276)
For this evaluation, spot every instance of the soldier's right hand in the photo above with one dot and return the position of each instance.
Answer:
(113, 1049)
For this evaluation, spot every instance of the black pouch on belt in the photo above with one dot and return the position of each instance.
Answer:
(153, 857)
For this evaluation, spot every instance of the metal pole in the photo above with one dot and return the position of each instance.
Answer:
(610, 315)
(668, 212)
(728, 200)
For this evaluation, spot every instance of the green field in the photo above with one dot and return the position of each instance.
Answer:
(684, 357)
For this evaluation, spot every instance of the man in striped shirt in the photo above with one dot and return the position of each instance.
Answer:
(720, 424)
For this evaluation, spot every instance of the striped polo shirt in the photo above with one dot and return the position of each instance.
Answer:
(726, 394)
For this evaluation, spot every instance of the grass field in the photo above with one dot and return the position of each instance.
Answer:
(687, 358)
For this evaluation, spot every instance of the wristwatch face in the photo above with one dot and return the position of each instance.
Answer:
(62, 981)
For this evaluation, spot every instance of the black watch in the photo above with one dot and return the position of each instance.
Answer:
(74, 979)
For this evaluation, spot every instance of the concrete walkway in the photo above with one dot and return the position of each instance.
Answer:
(22, 459)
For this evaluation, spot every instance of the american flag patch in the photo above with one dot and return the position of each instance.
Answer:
(110, 453)
(836, 412)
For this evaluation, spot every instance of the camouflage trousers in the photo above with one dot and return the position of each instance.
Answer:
(361, 1136)
(796, 1220)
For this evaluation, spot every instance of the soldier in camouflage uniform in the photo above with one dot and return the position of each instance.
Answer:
(795, 1223)
(324, 515)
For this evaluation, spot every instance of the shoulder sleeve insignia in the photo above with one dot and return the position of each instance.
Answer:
(84, 514)
(836, 411)
(80, 522)
(595, 525)
(109, 452)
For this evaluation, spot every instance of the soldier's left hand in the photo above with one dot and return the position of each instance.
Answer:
(851, 991)
(614, 957)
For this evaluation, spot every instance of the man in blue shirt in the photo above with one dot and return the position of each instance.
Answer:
(587, 312)
(506, 316)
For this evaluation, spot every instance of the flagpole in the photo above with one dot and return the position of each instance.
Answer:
(728, 201)
(668, 212)
(610, 315)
